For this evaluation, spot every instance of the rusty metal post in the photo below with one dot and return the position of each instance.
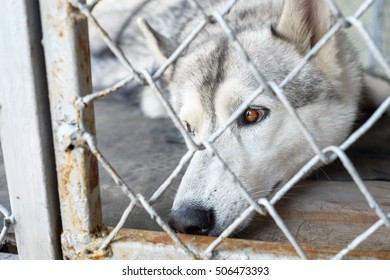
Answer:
(66, 46)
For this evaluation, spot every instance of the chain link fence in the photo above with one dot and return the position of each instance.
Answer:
(263, 205)
(79, 138)
(7, 223)
(380, 22)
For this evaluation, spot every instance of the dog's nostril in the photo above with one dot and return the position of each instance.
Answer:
(191, 220)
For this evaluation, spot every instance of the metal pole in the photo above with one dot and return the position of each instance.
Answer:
(26, 136)
(65, 40)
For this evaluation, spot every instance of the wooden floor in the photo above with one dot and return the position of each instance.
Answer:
(329, 214)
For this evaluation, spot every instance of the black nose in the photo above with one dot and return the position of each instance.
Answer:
(191, 220)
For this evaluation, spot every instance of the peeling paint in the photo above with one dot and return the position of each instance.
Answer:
(69, 78)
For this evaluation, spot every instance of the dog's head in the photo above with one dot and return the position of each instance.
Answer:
(265, 146)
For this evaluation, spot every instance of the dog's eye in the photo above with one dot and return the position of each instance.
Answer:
(190, 130)
(252, 115)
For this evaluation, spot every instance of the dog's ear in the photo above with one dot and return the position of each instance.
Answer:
(304, 22)
(161, 46)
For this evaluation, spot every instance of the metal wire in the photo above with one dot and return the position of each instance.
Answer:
(8, 221)
(326, 155)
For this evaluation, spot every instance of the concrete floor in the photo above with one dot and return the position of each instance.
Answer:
(143, 151)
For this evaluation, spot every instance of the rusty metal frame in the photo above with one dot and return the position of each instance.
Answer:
(65, 39)
(66, 46)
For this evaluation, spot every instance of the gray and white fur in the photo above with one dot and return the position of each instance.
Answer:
(210, 80)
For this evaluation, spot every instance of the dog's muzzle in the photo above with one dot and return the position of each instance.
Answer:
(191, 220)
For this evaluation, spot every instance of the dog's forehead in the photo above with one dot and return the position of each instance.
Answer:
(208, 63)
(217, 71)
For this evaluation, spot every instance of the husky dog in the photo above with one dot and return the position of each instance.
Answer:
(265, 146)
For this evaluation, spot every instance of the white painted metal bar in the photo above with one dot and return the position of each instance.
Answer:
(66, 46)
(26, 134)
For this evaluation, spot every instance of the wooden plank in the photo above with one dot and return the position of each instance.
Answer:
(26, 134)
(331, 214)
(142, 244)
(340, 202)
(324, 234)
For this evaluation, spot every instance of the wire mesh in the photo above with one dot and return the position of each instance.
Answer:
(8, 221)
(263, 205)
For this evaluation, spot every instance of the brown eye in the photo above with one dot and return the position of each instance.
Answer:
(252, 115)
